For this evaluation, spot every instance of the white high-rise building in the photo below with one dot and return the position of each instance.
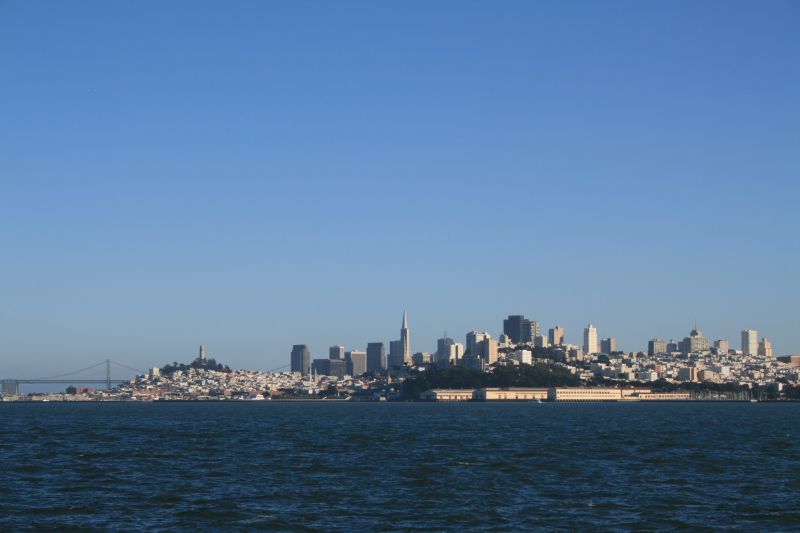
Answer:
(750, 342)
(590, 340)
(540, 341)
(487, 350)
(456, 352)
(473, 338)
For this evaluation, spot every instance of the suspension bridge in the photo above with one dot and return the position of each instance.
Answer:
(11, 385)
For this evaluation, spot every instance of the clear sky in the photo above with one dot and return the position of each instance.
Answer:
(257, 174)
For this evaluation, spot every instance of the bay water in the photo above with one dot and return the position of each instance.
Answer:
(322, 466)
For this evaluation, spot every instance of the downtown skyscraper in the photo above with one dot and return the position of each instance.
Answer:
(520, 330)
(590, 340)
(400, 350)
(376, 358)
(750, 342)
(301, 359)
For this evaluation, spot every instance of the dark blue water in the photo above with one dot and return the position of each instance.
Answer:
(349, 466)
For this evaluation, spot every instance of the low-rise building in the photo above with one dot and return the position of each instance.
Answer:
(662, 396)
(792, 360)
(584, 394)
(511, 393)
(447, 395)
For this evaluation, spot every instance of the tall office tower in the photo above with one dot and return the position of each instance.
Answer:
(721, 346)
(487, 350)
(456, 352)
(395, 358)
(337, 367)
(589, 340)
(356, 362)
(329, 367)
(405, 338)
(765, 348)
(321, 367)
(473, 338)
(421, 358)
(656, 346)
(673, 346)
(443, 349)
(750, 342)
(9, 387)
(695, 342)
(608, 346)
(376, 357)
(202, 355)
(400, 350)
(519, 329)
(301, 359)
(532, 330)
(556, 336)
(540, 341)
(336, 352)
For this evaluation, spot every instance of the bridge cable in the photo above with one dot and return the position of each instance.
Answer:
(75, 372)
(138, 371)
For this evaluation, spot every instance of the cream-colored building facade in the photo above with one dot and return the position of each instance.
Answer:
(513, 393)
(448, 395)
(765, 348)
(556, 394)
(584, 394)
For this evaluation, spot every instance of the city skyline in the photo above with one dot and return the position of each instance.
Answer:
(520, 349)
(568, 336)
(575, 338)
(271, 174)
(515, 326)
(593, 338)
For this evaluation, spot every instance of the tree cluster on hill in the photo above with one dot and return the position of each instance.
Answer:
(206, 364)
(792, 393)
(459, 377)
(767, 392)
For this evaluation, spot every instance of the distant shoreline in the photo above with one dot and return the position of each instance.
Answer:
(321, 400)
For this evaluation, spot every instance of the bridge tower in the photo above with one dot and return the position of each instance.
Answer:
(108, 374)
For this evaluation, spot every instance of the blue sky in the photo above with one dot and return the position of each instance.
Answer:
(256, 174)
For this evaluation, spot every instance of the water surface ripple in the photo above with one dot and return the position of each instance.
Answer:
(412, 467)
